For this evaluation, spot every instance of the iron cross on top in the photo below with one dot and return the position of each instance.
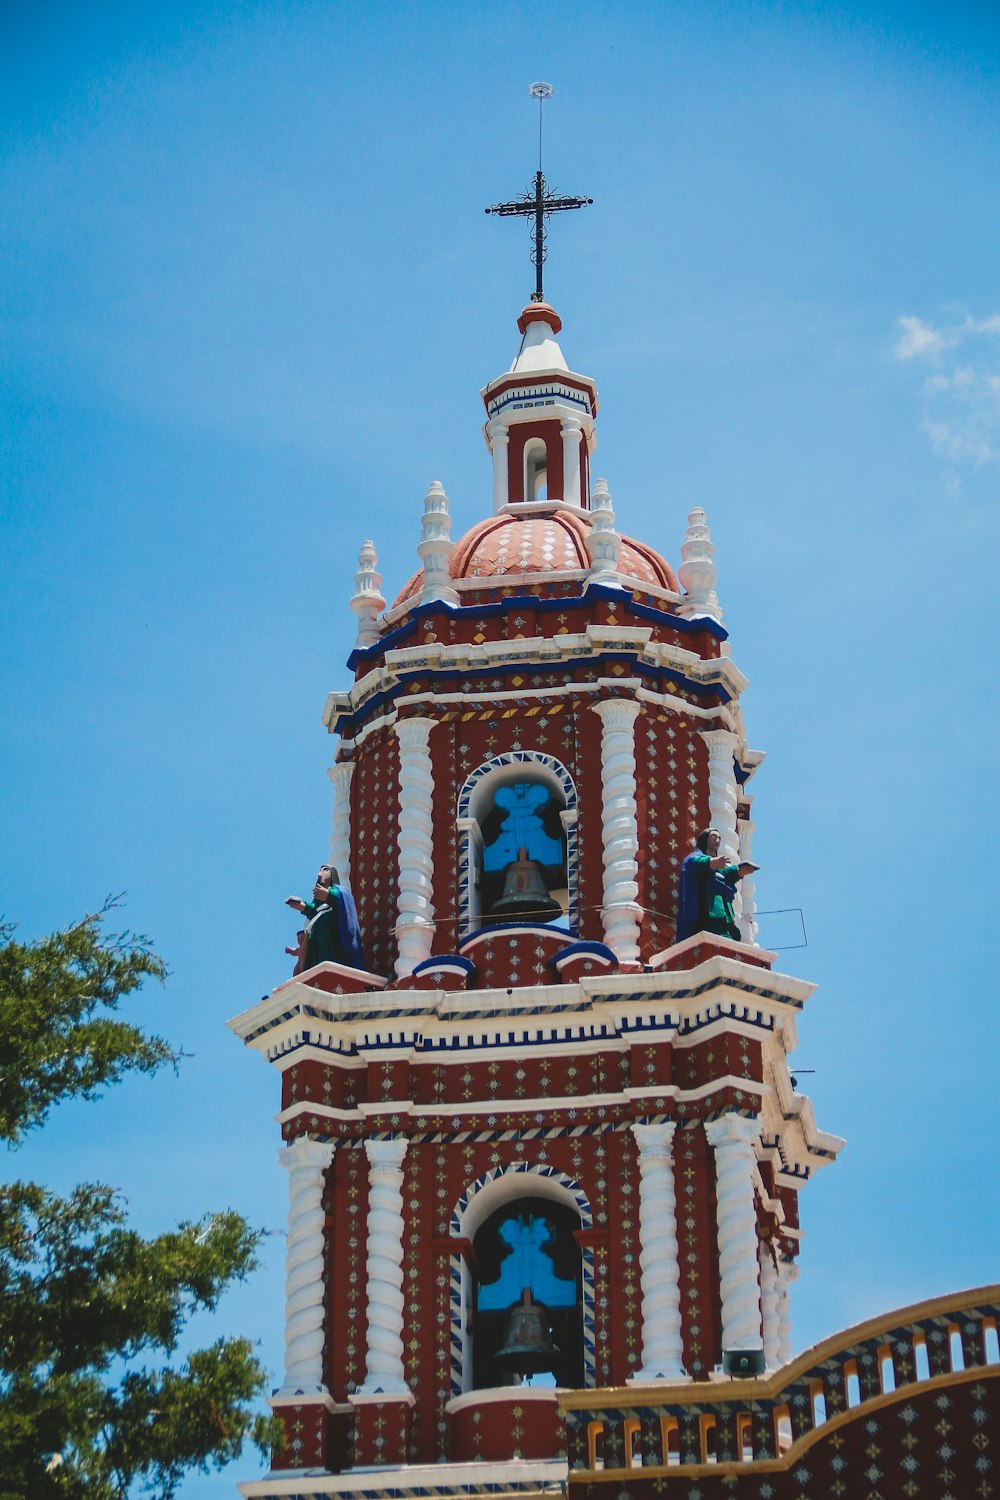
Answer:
(539, 203)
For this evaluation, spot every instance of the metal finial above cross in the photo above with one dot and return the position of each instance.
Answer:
(539, 202)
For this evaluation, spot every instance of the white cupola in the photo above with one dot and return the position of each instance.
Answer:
(540, 422)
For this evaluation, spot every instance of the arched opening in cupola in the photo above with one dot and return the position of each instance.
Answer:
(536, 467)
(517, 857)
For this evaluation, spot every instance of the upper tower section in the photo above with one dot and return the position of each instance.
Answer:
(540, 422)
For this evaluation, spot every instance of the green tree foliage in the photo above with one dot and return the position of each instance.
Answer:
(92, 1406)
(56, 1039)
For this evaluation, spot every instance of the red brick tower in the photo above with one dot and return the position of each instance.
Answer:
(533, 1092)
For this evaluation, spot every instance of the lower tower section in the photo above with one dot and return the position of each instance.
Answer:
(608, 1154)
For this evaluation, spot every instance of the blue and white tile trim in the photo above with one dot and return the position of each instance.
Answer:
(441, 1482)
(459, 1353)
(467, 916)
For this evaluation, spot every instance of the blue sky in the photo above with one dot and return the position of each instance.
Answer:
(249, 296)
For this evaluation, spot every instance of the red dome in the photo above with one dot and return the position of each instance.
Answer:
(547, 542)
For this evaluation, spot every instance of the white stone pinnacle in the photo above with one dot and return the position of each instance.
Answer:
(603, 541)
(697, 571)
(367, 600)
(436, 546)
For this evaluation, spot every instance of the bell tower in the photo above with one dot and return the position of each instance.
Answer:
(535, 1143)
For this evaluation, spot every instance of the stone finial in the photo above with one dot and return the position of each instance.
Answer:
(603, 541)
(367, 601)
(436, 546)
(697, 571)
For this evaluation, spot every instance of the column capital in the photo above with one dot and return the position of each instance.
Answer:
(571, 424)
(720, 741)
(496, 430)
(788, 1270)
(732, 1127)
(341, 772)
(386, 1155)
(618, 713)
(655, 1141)
(414, 733)
(306, 1152)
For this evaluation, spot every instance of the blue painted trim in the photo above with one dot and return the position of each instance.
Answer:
(509, 928)
(542, 675)
(368, 654)
(575, 950)
(453, 961)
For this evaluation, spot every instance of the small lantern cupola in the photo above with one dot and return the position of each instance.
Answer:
(540, 427)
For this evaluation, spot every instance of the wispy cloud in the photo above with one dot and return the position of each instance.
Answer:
(920, 338)
(961, 384)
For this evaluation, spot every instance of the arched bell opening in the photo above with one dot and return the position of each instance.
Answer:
(523, 875)
(519, 1225)
(536, 470)
(527, 1306)
(517, 853)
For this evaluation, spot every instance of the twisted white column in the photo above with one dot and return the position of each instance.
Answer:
(787, 1273)
(662, 1351)
(415, 921)
(732, 1137)
(769, 1294)
(620, 912)
(572, 432)
(722, 796)
(748, 889)
(499, 447)
(305, 1161)
(385, 1268)
(340, 832)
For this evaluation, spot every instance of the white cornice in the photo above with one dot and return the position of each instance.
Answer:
(620, 1002)
(540, 651)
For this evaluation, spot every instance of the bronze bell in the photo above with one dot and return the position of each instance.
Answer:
(525, 896)
(528, 1348)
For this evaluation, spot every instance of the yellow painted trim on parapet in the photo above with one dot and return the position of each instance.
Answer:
(710, 1391)
(801, 1445)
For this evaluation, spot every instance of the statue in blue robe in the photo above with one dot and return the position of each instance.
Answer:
(708, 889)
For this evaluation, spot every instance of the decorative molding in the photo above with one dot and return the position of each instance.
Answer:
(662, 1349)
(306, 1162)
(620, 912)
(385, 1268)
